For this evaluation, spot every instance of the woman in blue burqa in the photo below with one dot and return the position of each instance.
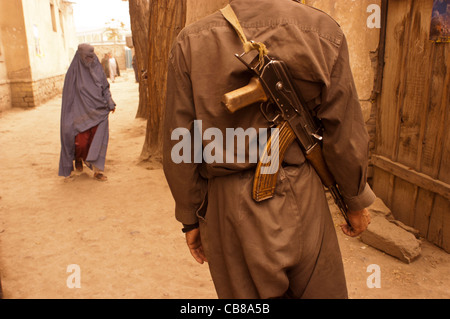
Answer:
(86, 103)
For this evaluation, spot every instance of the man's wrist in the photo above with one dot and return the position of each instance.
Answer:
(188, 228)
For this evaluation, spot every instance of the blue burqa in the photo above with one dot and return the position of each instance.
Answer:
(86, 103)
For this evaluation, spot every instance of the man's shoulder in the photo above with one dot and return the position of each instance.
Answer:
(319, 21)
(203, 24)
(317, 17)
(317, 13)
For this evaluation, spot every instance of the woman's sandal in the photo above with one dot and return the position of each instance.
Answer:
(100, 177)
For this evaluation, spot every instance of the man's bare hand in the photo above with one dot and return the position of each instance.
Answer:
(194, 243)
(359, 220)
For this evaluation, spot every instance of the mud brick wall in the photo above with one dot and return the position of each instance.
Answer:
(26, 94)
(22, 94)
(48, 88)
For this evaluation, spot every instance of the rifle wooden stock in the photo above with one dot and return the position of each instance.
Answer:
(245, 96)
(264, 184)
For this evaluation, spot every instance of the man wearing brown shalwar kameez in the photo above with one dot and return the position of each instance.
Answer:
(286, 246)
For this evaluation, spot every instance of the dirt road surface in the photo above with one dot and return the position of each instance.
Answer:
(121, 235)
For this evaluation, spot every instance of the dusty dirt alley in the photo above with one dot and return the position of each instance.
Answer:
(122, 233)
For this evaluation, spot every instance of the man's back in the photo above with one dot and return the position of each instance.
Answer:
(285, 246)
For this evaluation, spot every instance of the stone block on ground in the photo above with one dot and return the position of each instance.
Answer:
(390, 236)
(410, 229)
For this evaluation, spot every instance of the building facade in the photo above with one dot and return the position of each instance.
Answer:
(37, 44)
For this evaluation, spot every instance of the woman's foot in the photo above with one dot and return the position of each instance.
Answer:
(79, 165)
(100, 177)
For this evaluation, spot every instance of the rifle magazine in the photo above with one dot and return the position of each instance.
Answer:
(264, 184)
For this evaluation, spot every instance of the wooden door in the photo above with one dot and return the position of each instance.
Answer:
(412, 153)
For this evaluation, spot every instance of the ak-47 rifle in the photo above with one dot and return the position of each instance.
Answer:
(285, 108)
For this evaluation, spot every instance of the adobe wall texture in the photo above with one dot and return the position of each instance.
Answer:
(26, 94)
